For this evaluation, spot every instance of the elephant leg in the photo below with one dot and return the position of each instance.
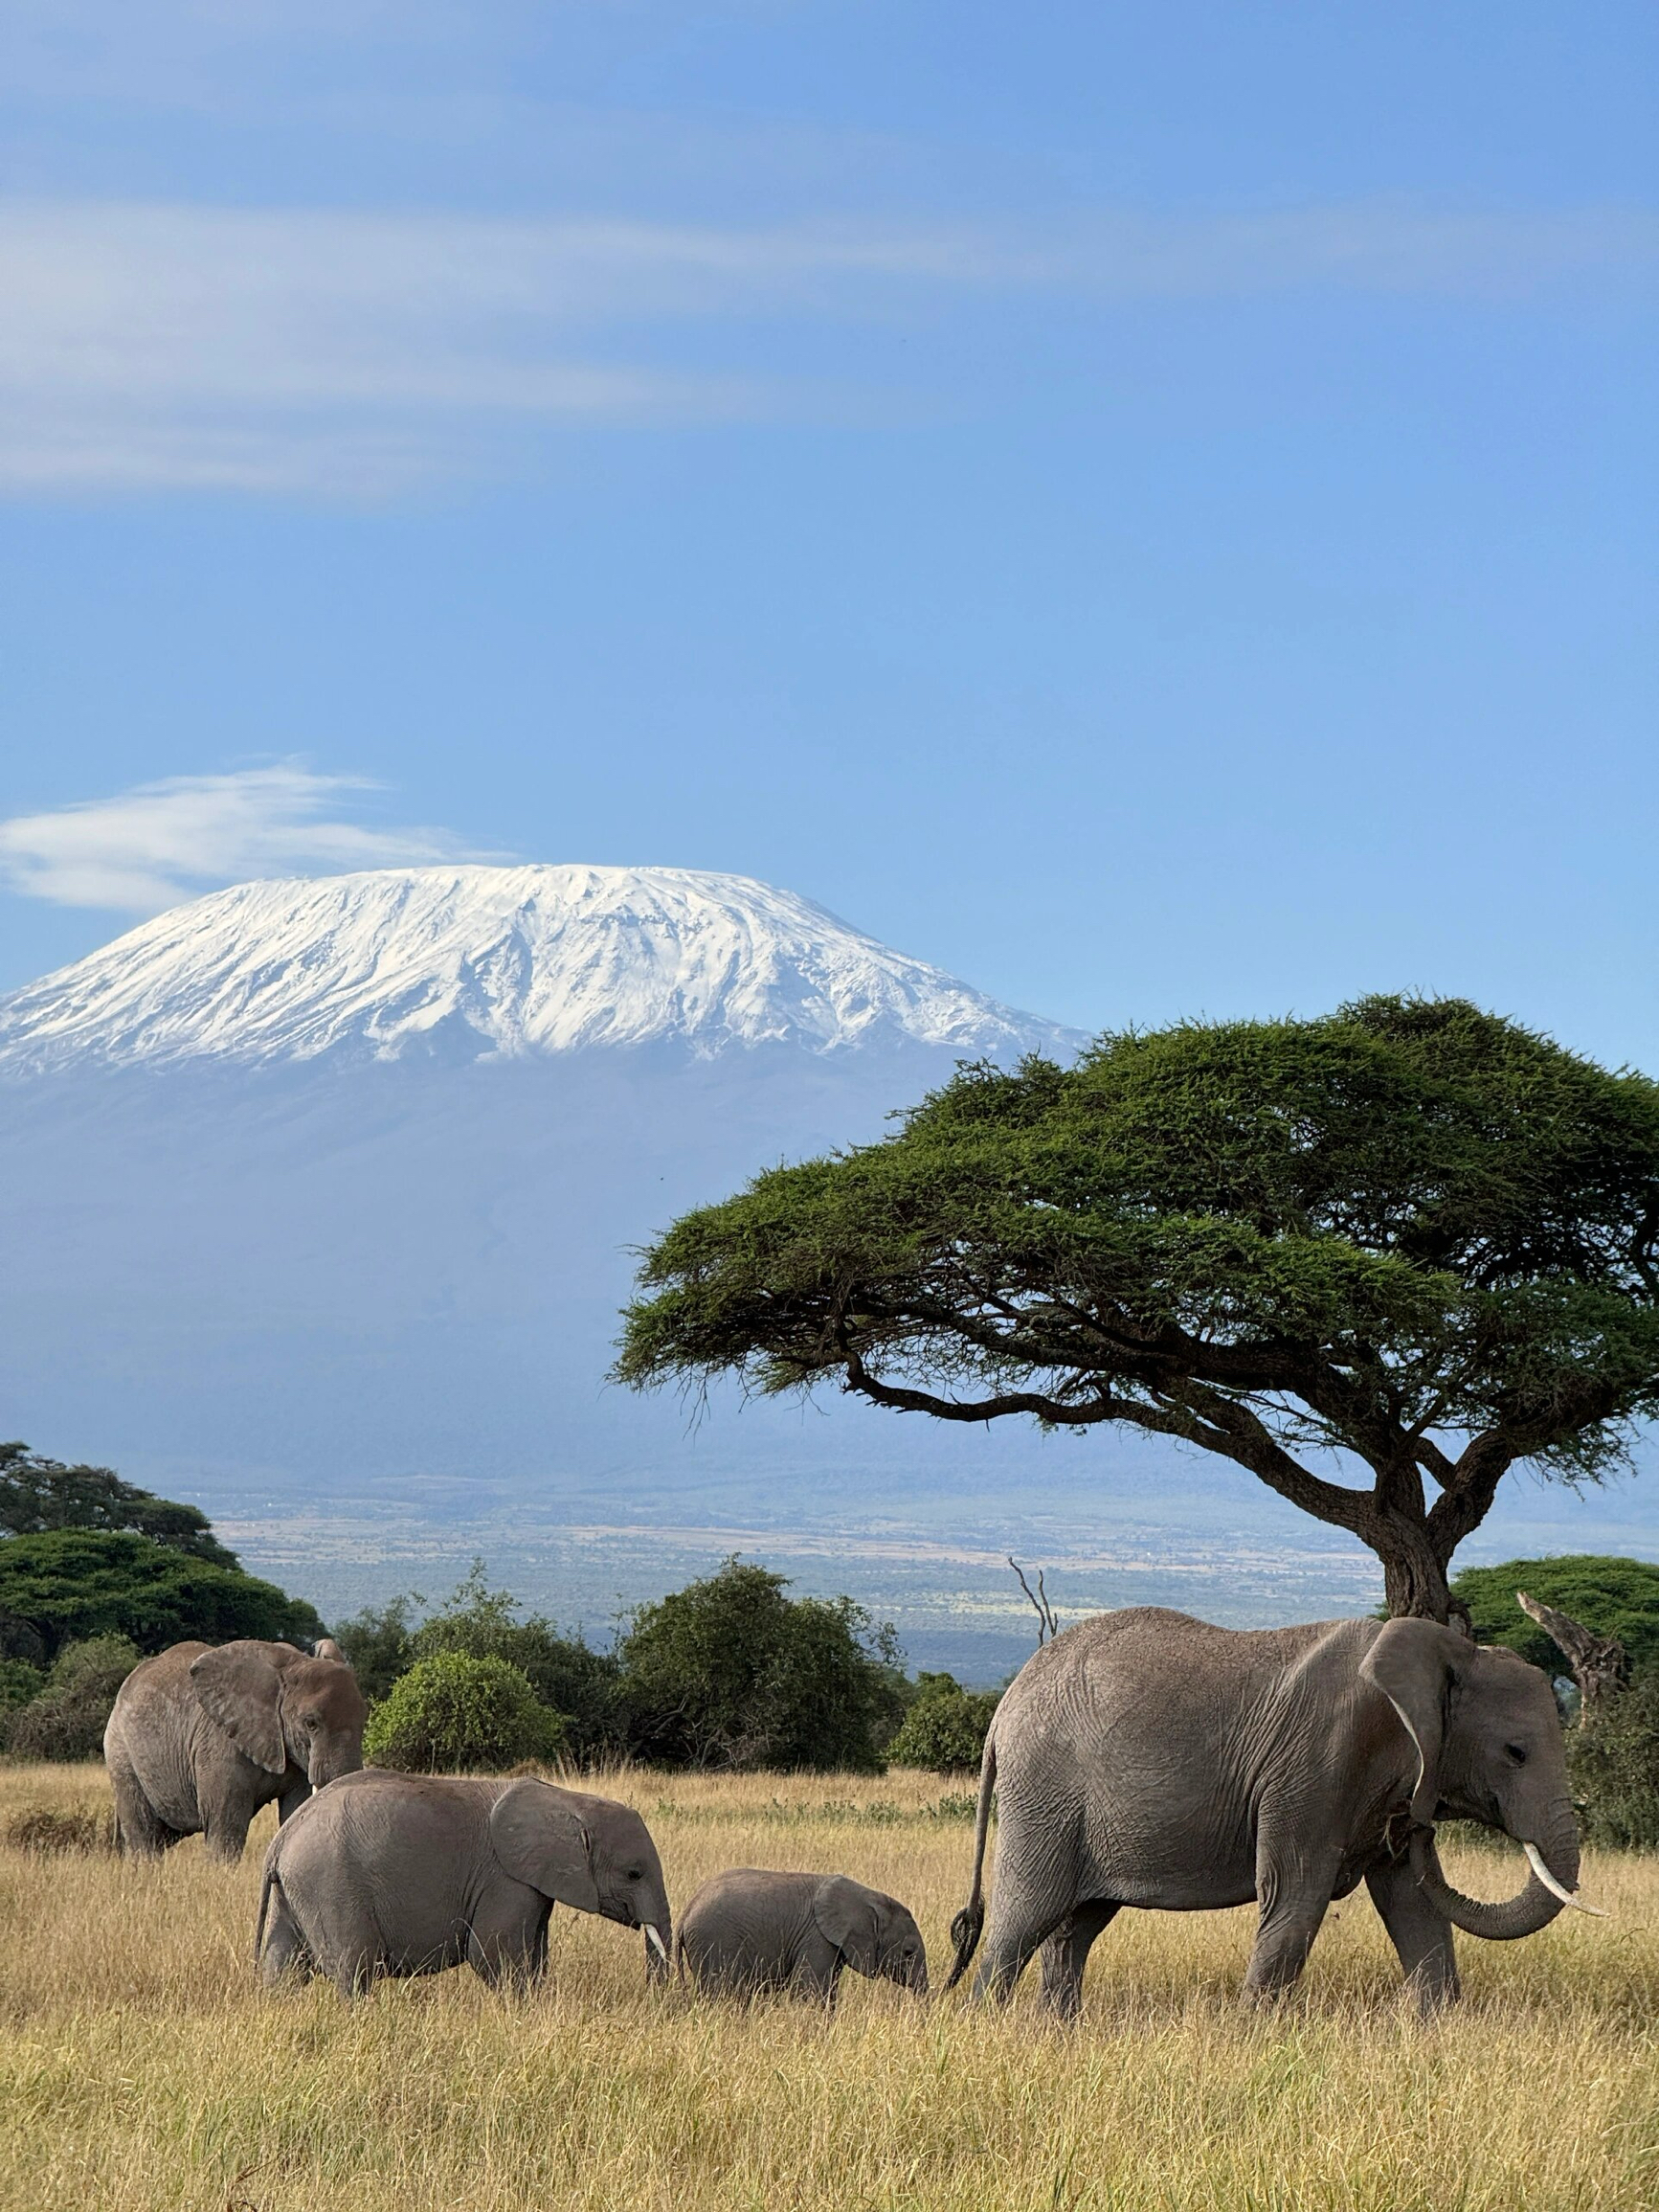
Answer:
(140, 1831)
(1065, 1954)
(509, 1950)
(1021, 1920)
(816, 1975)
(1420, 1935)
(225, 1836)
(1295, 1891)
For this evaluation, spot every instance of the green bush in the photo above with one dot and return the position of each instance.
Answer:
(730, 1673)
(379, 1641)
(74, 1583)
(1614, 1763)
(577, 1682)
(1612, 1596)
(68, 1718)
(19, 1681)
(944, 1731)
(455, 1713)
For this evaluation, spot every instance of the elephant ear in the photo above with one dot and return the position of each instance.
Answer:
(239, 1687)
(1417, 1665)
(850, 1917)
(539, 1840)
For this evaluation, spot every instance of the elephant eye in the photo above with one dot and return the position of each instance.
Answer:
(636, 1873)
(313, 1721)
(1516, 1754)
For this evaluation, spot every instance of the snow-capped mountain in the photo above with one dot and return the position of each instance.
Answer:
(341, 1178)
(468, 963)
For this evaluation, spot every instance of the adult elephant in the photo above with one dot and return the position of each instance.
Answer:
(1148, 1759)
(202, 1735)
(407, 1874)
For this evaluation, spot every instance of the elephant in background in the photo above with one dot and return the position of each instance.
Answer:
(202, 1735)
(407, 1874)
(748, 1930)
(1148, 1759)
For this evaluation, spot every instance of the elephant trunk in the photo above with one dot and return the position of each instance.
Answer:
(1531, 1909)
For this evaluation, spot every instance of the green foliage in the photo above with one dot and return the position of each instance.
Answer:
(379, 1641)
(1614, 1763)
(38, 1495)
(564, 1672)
(454, 1713)
(1617, 1597)
(68, 1717)
(19, 1681)
(1409, 1231)
(730, 1673)
(944, 1731)
(74, 1583)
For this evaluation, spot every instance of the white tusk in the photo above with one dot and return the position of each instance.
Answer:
(1536, 1861)
(652, 1936)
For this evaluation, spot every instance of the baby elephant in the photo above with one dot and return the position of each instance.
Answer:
(747, 1930)
(404, 1874)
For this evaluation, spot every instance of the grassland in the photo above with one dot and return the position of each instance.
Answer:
(140, 2068)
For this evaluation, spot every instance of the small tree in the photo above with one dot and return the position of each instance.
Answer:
(946, 1726)
(38, 1495)
(454, 1713)
(1375, 1260)
(379, 1641)
(730, 1673)
(1614, 1763)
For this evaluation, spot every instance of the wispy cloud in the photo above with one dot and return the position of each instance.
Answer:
(149, 848)
(318, 349)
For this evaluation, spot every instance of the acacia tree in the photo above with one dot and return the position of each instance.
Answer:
(1378, 1259)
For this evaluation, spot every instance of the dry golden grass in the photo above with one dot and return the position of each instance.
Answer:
(142, 2068)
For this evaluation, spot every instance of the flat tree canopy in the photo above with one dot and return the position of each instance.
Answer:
(38, 1495)
(1377, 1258)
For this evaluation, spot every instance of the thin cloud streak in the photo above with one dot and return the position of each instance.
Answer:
(149, 848)
(307, 348)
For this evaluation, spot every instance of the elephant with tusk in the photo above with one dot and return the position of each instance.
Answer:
(384, 1874)
(203, 1735)
(1147, 1759)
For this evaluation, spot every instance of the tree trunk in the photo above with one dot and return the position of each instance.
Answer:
(1601, 1664)
(1414, 1575)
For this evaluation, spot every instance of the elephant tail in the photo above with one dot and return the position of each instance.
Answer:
(970, 1922)
(265, 1889)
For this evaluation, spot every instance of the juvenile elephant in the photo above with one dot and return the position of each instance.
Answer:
(405, 1874)
(202, 1735)
(1148, 1759)
(748, 1930)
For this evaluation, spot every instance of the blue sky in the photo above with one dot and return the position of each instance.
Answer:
(1152, 509)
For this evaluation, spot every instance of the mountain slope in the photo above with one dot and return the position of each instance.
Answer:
(467, 964)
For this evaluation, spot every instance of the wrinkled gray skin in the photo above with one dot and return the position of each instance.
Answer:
(1148, 1759)
(405, 1874)
(746, 1931)
(202, 1735)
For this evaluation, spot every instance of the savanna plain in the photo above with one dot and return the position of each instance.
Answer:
(141, 2066)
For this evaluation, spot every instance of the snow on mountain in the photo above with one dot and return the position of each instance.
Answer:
(474, 963)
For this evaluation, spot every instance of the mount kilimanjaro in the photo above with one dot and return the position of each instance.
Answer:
(337, 1181)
